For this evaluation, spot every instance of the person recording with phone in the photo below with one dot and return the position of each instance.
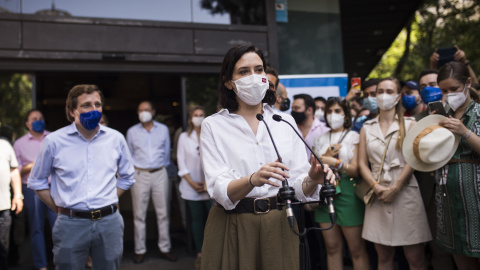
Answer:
(457, 193)
(244, 229)
(441, 55)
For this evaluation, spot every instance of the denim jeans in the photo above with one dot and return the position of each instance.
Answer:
(76, 238)
(5, 223)
(36, 211)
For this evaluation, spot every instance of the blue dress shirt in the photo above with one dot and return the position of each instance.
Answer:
(84, 173)
(150, 150)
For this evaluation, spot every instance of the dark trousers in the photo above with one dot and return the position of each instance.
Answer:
(5, 223)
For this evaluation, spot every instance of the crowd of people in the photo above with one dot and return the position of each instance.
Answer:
(415, 144)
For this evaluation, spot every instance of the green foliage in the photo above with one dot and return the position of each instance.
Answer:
(202, 90)
(437, 24)
(16, 100)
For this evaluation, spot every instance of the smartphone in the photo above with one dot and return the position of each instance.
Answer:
(356, 85)
(438, 107)
(446, 55)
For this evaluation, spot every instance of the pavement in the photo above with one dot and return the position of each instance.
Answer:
(185, 256)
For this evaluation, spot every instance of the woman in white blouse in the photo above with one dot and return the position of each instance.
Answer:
(192, 186)
(244, 228)
(339, 149)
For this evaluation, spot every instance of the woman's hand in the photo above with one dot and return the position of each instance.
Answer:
(388, 194)
(434, 59)
(270, 170)
(455, 126)
(330, 161)
(316, 173)
(333, 150)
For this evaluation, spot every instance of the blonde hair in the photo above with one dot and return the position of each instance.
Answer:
(190, 115)
(399, 111)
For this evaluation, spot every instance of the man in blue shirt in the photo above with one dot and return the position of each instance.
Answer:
(84, 160)
(149, 143)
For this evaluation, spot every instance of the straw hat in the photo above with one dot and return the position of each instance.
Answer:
(428, 146)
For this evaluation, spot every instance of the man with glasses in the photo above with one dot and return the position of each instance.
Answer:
(149, 143)
(90, 167)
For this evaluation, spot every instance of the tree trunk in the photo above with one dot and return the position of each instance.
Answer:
(406, 52)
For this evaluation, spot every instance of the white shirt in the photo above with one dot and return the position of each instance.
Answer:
(188, 160)
(230, 150)
(8, 161)
(322, 142)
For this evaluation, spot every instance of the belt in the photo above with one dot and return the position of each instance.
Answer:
(93, 215)
(472, 161)
(252, 205)
(150, 170)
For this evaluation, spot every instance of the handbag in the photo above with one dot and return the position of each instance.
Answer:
(363, 190)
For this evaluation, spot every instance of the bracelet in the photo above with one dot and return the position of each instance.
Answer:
(336, 164)
(340, 166)
(374, 183)
(250, 180)
(18, 196)
(467, 63)
(468, 135)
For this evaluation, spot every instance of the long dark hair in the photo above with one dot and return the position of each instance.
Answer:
(455, 70)
(228, 98)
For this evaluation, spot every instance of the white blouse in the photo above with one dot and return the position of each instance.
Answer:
(230, 150)
(322, 142)
(188, 160)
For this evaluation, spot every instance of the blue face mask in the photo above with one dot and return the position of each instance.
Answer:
(431, 94)
(38, 126)
(90, 119)
(371, 104)
(408, 102)
(361, 119)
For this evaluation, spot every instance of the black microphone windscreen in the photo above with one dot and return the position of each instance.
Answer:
(277, 117)
(259, 117)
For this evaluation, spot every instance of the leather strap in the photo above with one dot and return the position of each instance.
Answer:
(93, 215)
(419, 137)
(383, 158)
(471, 161)
(149, 170)
(253, 205)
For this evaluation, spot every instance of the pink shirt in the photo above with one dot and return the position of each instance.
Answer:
(26, 149)
(317, 129)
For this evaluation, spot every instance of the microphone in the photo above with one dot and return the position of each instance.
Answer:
(286, 193)
(328, 191)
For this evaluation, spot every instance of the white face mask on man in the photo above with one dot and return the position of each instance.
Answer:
(144, 116)
(456, 100)
(252, 89)
(386, 102)
(320, 115)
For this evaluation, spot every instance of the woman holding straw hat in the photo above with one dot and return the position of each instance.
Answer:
(458, 195)
(397, 216)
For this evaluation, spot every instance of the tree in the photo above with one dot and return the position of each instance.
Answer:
(15, 100)
(437, 24)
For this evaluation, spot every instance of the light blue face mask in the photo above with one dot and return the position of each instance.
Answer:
(371, 104)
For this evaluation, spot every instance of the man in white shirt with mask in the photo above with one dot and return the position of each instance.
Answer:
(149, 143)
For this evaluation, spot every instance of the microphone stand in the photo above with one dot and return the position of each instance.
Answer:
(286, 194)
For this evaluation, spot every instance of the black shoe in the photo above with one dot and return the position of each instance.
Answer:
(138, 258)
(168, 256)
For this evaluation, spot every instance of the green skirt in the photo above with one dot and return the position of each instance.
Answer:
(350, 210)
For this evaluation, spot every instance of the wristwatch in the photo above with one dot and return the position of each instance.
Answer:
(18, 196)
(467, 63)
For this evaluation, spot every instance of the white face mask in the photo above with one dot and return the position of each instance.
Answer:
(386, 102)
(335, 120)
(197, 121)
(455, 100)
(252, 89)
(145, 116)
(320, 115)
